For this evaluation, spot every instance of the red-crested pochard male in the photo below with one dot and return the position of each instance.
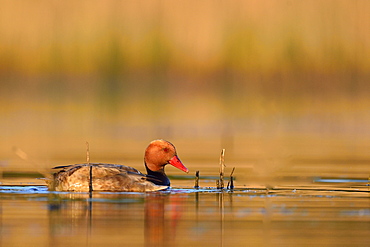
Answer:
(112, 177)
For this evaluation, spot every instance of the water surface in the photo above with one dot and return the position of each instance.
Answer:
(325, 213)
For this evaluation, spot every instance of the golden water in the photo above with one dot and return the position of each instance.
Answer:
(318, 212)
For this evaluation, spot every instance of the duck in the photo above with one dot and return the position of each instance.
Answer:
(115, 177)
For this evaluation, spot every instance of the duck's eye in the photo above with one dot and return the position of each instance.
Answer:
(166, 150)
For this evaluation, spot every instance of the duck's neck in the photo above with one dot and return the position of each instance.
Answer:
(157, 177)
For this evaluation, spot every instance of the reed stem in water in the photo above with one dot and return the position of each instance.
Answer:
(90, 166)
(196, 180)
(222, 167)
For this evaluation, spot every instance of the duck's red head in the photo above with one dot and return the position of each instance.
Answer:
(160, 153)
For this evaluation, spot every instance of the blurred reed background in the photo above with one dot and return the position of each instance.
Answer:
(263, 79)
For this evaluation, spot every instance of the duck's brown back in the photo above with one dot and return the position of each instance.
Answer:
(105, 177)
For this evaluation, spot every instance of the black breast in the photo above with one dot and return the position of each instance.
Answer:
(158, 177)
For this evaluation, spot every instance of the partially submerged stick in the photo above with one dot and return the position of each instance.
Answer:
(220, 184)
(90, 166)
(196, 180)
(36, 165)
(230, 184)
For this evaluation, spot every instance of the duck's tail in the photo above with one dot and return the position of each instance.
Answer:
(21, 154)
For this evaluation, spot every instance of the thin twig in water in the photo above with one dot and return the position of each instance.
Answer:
(230, 184)
(232, 179)
(90, 166)
(36, 164)
(87, 153)
(196, 180)
(232, 172)
(222, 167)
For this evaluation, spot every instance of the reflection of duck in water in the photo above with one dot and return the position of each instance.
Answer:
(163, 212)
(111, 177)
